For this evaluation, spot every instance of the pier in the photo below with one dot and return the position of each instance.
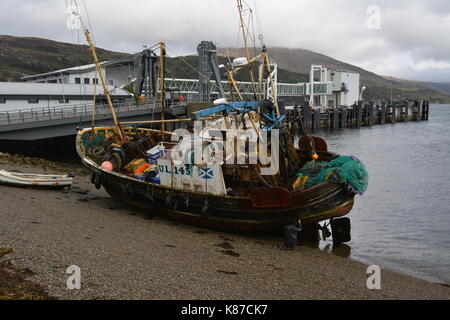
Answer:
(360, 115)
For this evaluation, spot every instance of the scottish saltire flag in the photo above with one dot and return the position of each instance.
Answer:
(206, 173)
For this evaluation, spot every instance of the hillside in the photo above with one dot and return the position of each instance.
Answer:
(21, 56)
(441, 87)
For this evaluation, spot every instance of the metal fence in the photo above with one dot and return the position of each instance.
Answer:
(65, 112)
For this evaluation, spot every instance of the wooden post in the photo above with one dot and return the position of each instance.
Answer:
(370, 113)
(359, 114)
(419, 110)
(407, 106)
(336, 118)
(343, 117)
(394, 113)
(316, 119)
(383, 113)
(307, 117)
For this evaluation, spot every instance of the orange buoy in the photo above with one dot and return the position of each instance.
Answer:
(107, 165)
(315, 156)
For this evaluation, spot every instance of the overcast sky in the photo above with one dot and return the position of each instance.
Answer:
(410, 40)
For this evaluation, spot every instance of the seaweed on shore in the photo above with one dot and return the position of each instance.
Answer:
(14, 284)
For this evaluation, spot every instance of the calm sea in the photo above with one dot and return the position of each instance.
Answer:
(402, 222)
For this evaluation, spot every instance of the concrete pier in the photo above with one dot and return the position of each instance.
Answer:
(361, 114)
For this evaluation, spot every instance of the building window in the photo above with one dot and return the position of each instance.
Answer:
(87, 80)
(95, 80)
(62, 101)
(77, 80)
(33, 100)
(2, 100)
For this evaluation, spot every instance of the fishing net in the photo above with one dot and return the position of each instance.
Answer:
(345, 169)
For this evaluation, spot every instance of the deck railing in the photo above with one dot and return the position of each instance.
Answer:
(64, 112)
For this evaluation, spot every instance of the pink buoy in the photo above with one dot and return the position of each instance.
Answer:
(107, 165)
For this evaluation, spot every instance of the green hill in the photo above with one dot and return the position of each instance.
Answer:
(20, 56)
(25, 56)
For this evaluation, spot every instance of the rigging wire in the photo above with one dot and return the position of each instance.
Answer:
(187, 63)
(258, 22)
(89, 23)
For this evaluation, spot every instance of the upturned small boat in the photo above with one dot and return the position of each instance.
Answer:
(35, 180)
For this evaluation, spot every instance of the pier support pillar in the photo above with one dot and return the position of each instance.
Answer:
(394, 113)
(371, 113)
(359, 114)
(336, 119)
(418, 110)
(344, 117)
(316, 119)
(408, 107)
(383, 113)
(307, 117)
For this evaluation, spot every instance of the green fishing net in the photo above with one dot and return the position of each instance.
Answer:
(345, 169)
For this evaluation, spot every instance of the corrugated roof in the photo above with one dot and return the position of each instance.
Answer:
(55, 89)
(78, 69)
(87, 67)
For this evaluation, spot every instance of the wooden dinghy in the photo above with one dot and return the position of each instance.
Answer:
(35, 180)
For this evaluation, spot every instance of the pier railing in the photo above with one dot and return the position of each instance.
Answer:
(361, 114)
(64, 112)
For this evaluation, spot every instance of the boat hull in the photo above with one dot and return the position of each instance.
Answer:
(228, 213)
(35, 180)
(232, 213)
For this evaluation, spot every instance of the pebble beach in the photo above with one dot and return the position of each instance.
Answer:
(127, 254)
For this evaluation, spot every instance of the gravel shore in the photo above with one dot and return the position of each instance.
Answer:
(125, 254)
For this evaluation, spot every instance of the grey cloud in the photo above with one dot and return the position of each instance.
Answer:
(413, 33)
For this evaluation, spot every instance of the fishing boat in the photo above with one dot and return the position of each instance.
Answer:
(35, 180)
(179, 174)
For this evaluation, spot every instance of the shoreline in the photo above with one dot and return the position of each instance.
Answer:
(126, 254)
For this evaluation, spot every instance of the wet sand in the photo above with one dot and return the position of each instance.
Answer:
(125, 254)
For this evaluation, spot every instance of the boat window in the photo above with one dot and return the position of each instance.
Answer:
(77, 80)
(87, 80)
(2, 100)
(61, 100)
(33, 100)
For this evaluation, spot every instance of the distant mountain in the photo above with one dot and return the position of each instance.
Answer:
(20, 56)
(441, 87)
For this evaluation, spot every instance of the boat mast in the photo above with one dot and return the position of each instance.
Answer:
(99, 70)
(247, 50)
(162, 71)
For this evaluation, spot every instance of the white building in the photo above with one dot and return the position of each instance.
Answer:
(117, 73)
(23, 95)
(333, 87)
(346, 86)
